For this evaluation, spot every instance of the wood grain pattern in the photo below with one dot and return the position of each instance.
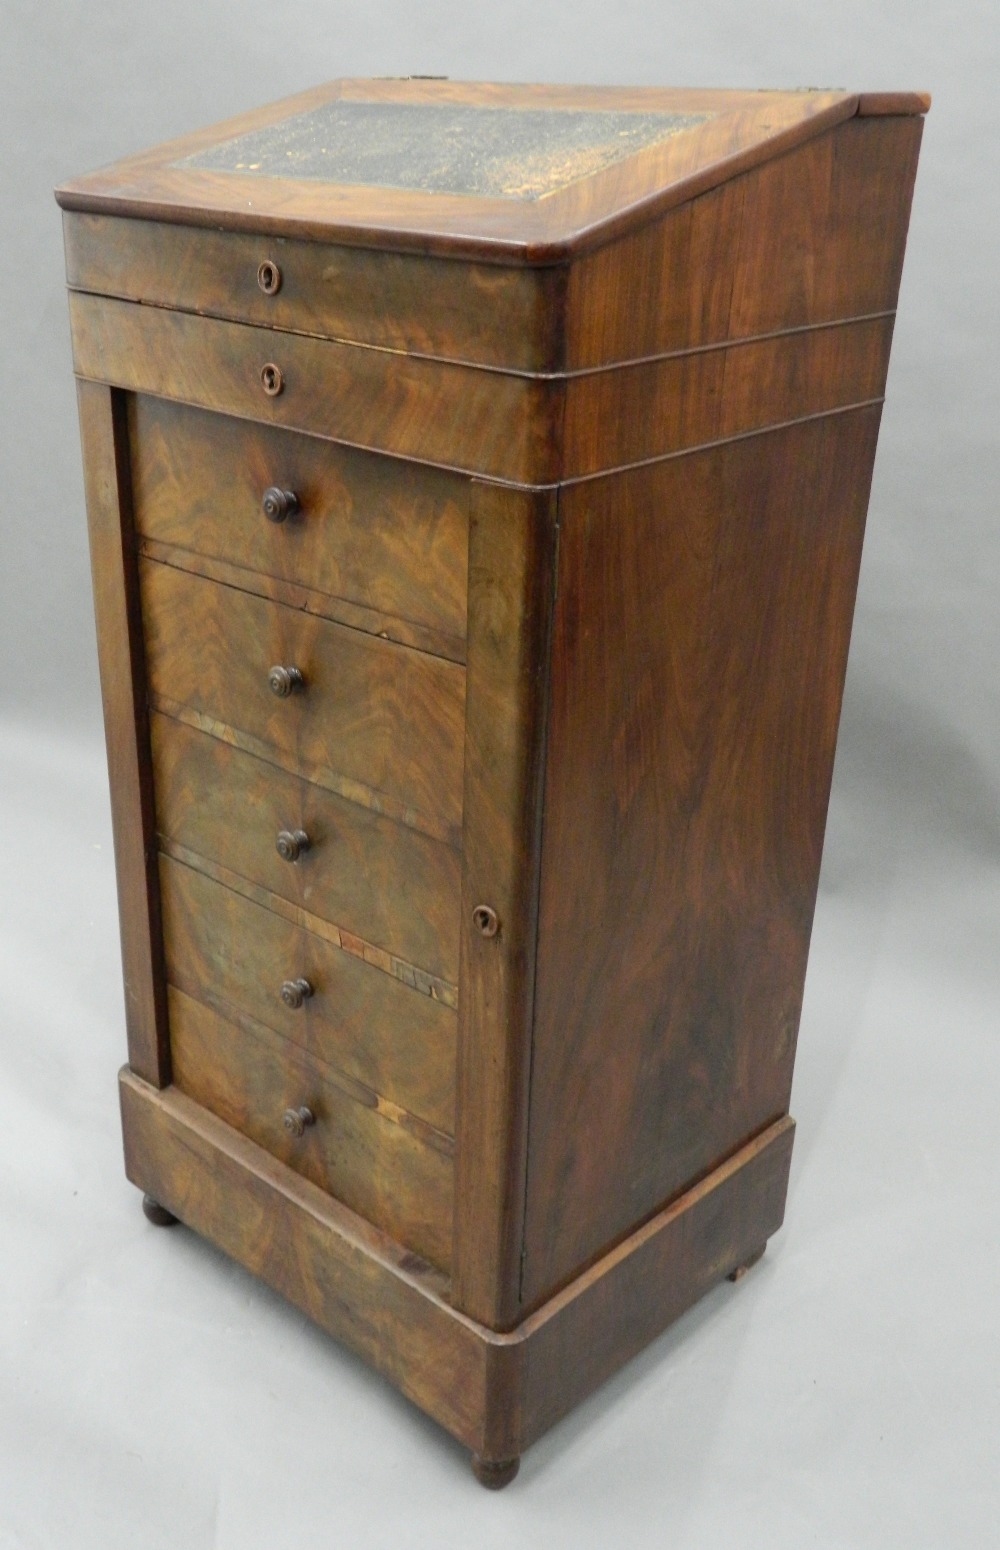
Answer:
(495, 1392)
(293, 595)
(584, 481)
(376, 1167)
(815, 235)
(605, 1317)
(449, 415)
(615, 418)
(512, 539)
(355, 1281)
(389, 538)
(231, 953)
(382, 882)
(744, 128)
(699, 651)
(118, 614)
(595, 419)
(328, 931)
(600, 420)
(480, 313)
(376, 714)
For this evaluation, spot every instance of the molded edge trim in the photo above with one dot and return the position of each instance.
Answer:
(882, 104)
(494, 1392)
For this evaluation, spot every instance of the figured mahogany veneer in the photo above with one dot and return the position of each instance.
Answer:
(369, 546)
(384, 888)
(375, 721)
(228, 948)
(379, 1167)
(475, 551)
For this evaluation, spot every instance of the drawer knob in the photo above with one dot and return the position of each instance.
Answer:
(269, 277)
(284, 681)
(295, 993)
(279, 505)
(292, 843)
(271, 379)
(296, 1120)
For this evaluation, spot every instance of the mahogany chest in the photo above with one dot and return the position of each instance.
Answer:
(476, 479)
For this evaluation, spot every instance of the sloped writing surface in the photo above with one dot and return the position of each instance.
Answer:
(443, 148)
(513, 174)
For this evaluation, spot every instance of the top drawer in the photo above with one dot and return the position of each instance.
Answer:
(481, 313)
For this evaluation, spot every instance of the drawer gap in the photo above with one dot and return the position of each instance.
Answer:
(350, 790)
(367, 1097)
(357, 1155)
(409, 974)
(324, 605)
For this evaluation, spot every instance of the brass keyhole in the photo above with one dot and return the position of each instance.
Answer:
(271, 379)
(269, 277)
(485, 920)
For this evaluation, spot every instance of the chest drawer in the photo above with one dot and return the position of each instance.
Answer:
(395, 1042)
(388, 891)
(407, 302)
(456, 416)
(385, 538)
(372, 1161)
(377, 722)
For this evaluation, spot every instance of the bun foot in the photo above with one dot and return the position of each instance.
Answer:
(748, 1264)
(493, 1475)
(157, 1214)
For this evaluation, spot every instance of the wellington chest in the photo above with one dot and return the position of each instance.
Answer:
(476, 479)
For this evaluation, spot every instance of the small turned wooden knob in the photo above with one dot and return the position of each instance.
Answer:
(269, 277)
(292, 843)
(279, 504)
(294, 993)
(284, 681)
(296, 1120)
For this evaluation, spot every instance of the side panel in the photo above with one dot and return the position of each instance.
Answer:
(120, 651)
(637, 412)
(604, 1317)
(512, 538)
(700, 641)
(777, 248)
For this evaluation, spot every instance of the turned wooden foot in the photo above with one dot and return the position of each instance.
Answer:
(748, 1264)
(494, 1476)
(157, 1214)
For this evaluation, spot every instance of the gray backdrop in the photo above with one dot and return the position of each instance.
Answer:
(845, 1394)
